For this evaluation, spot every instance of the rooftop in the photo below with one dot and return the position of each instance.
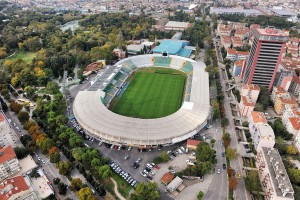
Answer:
(12, 186)
(234, 51)
(271, 32)
(295, 121)
(278, 174)
(175, 183)
(250, 86)
(1, 118)
(266, 131)
(258, 117)
(7, 154)
(221, 10)
(170, 46)
(167, 178)
(193, 142)
(247, 101)
(283, 12)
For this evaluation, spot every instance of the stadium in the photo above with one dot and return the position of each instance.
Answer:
(185, 109)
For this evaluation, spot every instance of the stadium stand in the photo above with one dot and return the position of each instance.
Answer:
(187, 67)
(130, 65)
(162, 61)
(176, 63)
(142, 61)
(126, 70)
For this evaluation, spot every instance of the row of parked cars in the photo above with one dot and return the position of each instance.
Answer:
(180, 150)
(147, 172)
(126, 176)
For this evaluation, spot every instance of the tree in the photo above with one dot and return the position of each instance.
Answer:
(15, 107)
(54, 157)
(231, 153)
(233, 183)
(85, 194)
(146, 191)
(294, 175)
(64, 167)
(56, 181)
(226, 139)
(205, 153)
(76, 184)
(44, 143)
(21, 152)
(29, 91)
(230, 172)
(291, 150)
(263, 97)
(23, 116)
(200, 195)
(104, 171)
(252, 182)
(62, 188)
(164, 156)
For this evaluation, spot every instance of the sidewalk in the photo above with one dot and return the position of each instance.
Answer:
(116, 190)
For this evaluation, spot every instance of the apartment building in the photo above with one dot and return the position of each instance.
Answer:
(283, 99)
(276, 92)
(265, 54)
(294, 87)
(17, 188)
(225, 41)
(262, 133)
(233, 54)
(273, 176)
(237, 42)
(249, 94)
(9, 163)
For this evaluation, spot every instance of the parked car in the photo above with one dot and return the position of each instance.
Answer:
(224, 166)
(126, 157)
(218, 171)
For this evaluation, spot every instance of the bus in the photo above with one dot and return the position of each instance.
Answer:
(26, 102)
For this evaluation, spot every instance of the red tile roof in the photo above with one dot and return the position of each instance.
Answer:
(12, 186)
(8, 153)
(295, 121)
(251, 87)
(193, 142)
(167, 178)
(258, 117)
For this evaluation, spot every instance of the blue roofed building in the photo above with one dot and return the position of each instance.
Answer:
(174, 47)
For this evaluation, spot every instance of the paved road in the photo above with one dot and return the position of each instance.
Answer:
(218, 188)
(240, 193)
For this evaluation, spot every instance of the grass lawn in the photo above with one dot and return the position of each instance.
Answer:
(152, 93)
(24, 55)
(123, 186)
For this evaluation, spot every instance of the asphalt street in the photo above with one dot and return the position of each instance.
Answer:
(240, 193)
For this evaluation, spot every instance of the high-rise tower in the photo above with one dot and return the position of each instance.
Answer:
(265, 54)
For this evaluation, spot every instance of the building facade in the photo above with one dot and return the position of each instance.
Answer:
(273, 176)
(265, 54)
(9, 163)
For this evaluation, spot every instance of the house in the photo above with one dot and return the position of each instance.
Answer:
(192, 144)
(167, 178)
(175, 183)
(294, 87)
(177, 26)
(237, 41)
(225, 41)
(273, 176)
(275, 92)
(17, 188)
(9, 163)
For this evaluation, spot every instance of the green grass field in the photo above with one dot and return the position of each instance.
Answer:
(24, 55)
(152, 93)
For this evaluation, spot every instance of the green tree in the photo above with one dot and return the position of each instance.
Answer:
(226, 139)
(146, 191)
(294, 175)
(54, 157)
(45, 144)
(21, 152)
(62, 188)
(105, 52)
(231, 153)
(291, 150)
(104, 171)
(164, 156)
(23, 116)
(204, 152)
(29, 91)
(252, 182)
(85, 194)
(76, 184)
(64, 167)
(200, 195)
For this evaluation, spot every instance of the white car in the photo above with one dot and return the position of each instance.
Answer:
(218, 171)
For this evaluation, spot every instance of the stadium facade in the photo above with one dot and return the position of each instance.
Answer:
(91, 106)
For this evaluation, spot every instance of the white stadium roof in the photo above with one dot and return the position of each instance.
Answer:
(102, 123)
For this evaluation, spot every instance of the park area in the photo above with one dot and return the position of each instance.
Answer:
(151, 93)
(24, 55)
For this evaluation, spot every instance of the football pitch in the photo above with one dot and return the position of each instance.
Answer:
(151, 93)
